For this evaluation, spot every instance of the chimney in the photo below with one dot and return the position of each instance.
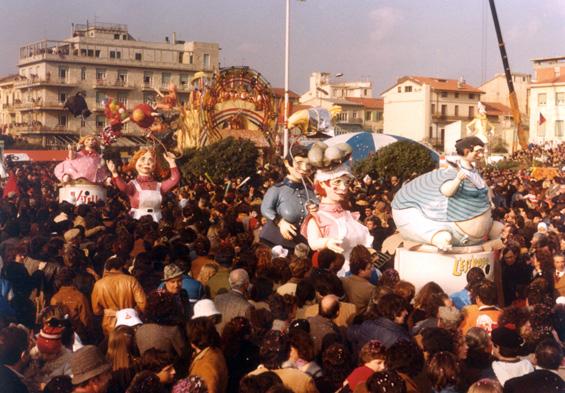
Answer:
(174, 37)
(460, 82)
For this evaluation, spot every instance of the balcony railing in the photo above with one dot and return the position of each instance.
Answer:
(46, 81)
(31, 106)
(116, 84)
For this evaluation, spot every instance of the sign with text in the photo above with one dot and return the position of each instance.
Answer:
(448, 270)
(82, 193)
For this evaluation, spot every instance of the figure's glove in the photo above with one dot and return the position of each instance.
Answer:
(288, 231)
(334, 245)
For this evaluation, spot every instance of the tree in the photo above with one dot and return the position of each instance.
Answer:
(402, 159)
(229, 157)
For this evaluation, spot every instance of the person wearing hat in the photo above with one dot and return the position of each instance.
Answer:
(90, 370)
(506, 346)
(207, 309)
(285, 204)
(332, 226)
(172, 282)
(448, 207)
(53, 358)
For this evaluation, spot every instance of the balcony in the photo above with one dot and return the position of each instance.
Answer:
(37, 128)
(39, 106)
(48, 81)
(438, 117)
(115, 85)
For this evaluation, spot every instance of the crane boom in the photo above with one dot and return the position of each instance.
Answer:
(516, 115)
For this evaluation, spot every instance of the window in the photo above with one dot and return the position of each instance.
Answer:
(99, 97)
(100, 74)
(165, 79)
(433, 109)
(431, 132)
(100, 121)
(541, 130)
(123, 98)
(365, 92)
(183, 81)
(471, 111)
(97, 53)
(444, 110)
(62, 97)
(125, 37)
(115, 54)
(456, 110)
(138, 56)
(560, 98)
(542, 99)
(147, 78)
(181, 56)
(407, 89)
(379, 115)
(122, 77)
(90, 53)
(83, 73)
(471, 96)
(117, 36)
(342, 117)
(559, 128)
(354, 115)
(368, 115)
(456, 95)
(444, 94)
(82, 122)
(63, 72)
(190, 58)
(206, 60)
(62, 120)
(399, 89)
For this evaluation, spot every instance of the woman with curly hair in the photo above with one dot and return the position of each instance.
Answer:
(444, 373)
(336, 366)
(161, 327)
(145, 192)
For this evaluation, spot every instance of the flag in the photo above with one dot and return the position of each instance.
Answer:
(541, 119)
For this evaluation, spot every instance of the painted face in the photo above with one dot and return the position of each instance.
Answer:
(90, 143)
(145, 165)
(300, 167)
(337, 189)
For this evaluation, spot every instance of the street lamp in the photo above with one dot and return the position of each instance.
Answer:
(286, 61)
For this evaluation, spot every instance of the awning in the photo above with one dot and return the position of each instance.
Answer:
(37, 155)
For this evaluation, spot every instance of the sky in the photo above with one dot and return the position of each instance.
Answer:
(378, 40)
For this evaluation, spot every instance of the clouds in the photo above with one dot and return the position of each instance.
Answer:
(384, 20)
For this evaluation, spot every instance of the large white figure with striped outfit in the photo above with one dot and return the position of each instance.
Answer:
(448, 207)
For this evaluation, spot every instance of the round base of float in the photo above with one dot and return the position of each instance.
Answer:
(449, 270)
(78, 194)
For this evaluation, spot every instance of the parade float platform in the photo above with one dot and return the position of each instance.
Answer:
(449, 270)
(78, 193)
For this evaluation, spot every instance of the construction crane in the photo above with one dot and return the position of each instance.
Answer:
(520, 131)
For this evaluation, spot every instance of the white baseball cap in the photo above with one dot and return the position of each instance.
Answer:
(127, 317)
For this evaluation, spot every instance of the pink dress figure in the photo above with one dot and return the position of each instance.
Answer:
(144, 192)
(85, 164)
(333, 226)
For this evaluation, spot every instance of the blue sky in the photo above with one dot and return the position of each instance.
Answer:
(374, 39)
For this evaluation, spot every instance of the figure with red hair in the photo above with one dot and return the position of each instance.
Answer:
(145, 193)
(333, 226)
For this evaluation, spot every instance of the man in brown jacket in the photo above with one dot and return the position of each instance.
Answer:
(114, 292)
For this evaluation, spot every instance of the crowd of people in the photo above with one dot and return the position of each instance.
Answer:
(93, 300)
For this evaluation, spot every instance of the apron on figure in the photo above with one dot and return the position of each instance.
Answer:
(149, 202)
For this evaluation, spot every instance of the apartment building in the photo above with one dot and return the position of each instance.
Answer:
(420, 108)
(101, 60)
(496, 90)
(547, 100)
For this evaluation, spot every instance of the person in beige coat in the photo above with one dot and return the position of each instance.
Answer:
(208, 361)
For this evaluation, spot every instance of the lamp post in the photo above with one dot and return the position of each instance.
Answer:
(286, 60)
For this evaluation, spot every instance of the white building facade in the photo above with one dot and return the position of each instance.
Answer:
(547, 101)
